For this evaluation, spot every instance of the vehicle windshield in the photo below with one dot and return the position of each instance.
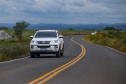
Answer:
(46, 34)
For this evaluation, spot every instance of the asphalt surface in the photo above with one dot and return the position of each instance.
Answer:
(100, 65)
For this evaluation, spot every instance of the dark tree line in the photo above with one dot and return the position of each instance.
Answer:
(4, 27)
(111, 28)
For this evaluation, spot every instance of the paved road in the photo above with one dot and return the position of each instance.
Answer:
(100, 65)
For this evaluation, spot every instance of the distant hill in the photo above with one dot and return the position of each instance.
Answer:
(9, 25)
(42, 26)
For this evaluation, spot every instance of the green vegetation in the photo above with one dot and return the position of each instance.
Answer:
(70, 29)
(3, 27)
(19, 28)
(11, 51)
(112, 38)
(13, 48)
(75, 32)
(112, 28)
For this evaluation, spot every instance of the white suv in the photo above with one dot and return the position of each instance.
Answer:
(47, 42)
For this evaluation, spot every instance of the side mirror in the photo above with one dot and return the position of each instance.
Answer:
(31, 36)
(60, 36)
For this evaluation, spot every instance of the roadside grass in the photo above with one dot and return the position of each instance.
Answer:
(114, 39)
(11, 51)
(13, 48)
(75, 32)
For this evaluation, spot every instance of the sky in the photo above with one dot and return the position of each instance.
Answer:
(63, 11)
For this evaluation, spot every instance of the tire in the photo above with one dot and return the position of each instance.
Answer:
(38, 55)
(32, 55)
(58, 54)
(62, 53)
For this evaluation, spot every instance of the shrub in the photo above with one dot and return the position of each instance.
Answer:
(114, 34)
(115, 39)
(70, 29)
(3, 28)
(14, 51)
(124, 41)
(19, 28)
(112, 28)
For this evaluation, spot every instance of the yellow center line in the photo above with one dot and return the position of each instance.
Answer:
(54, 72)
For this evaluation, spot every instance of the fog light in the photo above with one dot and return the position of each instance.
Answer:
(56, 46)
(32, 46)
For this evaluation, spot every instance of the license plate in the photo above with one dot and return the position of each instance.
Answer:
(43, 48)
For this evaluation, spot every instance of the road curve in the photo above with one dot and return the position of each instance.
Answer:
(99, 65)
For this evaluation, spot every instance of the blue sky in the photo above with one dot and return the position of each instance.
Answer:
(63, 11)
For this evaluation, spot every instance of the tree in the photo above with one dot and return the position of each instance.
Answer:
(19, 28)
(112, 28)
(70, 29)
(106, 28)
(118, 29)
(4, 27)
(109, 28)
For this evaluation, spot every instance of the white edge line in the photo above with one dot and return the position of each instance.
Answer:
(106, 46)
(13, 60)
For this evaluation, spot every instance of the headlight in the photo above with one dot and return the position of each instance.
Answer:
(55, 41)
(33, 41)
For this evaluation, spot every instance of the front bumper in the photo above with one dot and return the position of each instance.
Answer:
(44, 48)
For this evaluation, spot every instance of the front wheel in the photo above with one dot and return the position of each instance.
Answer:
(38, 55)
(58, 54)
(62, 52)
(32, 55)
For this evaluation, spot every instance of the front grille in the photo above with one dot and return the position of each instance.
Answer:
(43, 42)
(43, 46)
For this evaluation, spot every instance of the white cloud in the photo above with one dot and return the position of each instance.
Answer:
(54, 10)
